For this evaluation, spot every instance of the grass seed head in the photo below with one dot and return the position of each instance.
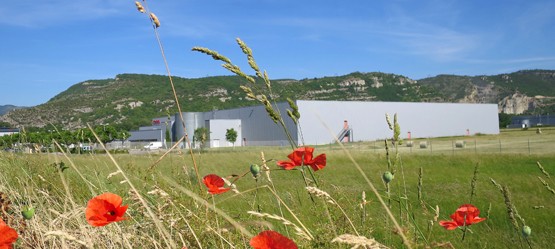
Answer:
(139, 7)
(358, 241)
(155, 20)
(388, 120)
(215, 55)
(542, 169)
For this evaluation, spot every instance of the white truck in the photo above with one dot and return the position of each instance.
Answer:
(153, 146)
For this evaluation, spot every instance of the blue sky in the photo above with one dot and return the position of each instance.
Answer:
(47, 46)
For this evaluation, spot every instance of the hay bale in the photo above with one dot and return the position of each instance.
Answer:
(423, 145)
(460, 144)
(409, 143)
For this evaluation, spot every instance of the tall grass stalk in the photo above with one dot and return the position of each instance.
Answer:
(89, 184)
(197, 198)
(373, 188)
(266, 170)
(472, 194)
(155, 26)
(291, 212)
(420, 176)
(322, 194)
(161, 229)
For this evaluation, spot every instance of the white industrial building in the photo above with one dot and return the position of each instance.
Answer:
(8, 131)
(321, 121)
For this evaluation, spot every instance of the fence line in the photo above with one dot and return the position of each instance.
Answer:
(476, 145)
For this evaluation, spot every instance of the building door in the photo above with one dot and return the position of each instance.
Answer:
(215, 143)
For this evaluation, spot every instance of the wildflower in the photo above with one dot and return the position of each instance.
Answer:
(8, 235)
(272, 240)
(215, 184)
(467, 211)
(105, 209)
(303, 156)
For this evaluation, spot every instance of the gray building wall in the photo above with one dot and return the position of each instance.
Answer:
(193, 120)
(367, 119)
(256, 126)
(531, 121)
(147, 135)
(322, 120)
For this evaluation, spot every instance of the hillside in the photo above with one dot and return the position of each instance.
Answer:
(6, 108)
(527, 91)
(131, 100)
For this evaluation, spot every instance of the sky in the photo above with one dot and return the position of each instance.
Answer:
(48, 46)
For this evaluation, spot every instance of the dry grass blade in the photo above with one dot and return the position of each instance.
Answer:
(67, 236)
(208, 205)
(322, 194)
(161, 229)
(373, 188)
(186, 136)
(543, 170)
(89, 184)
(167, 152)
(300, 232)
(546, 185)
(358, 241)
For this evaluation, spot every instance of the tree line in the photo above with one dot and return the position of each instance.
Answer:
(45, 137)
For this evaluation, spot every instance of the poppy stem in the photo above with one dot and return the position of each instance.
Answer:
(388, 195)
(306, 182)
(217, 223)
(465, 227)
(256, 197)
(528, 242)
(313, 177)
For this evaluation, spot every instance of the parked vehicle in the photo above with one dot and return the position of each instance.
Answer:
(153, 146)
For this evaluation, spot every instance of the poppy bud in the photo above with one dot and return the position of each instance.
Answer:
(387, 177)
(526, 231)
(255, 170)
(28, 213)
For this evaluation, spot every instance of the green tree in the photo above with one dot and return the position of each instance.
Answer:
(231, 136)
(201, 136)
(5, 125)
(505, 119)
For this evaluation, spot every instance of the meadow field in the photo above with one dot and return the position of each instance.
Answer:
(170, 208)
(368, 195)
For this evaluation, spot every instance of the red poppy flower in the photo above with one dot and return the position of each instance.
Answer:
(8, 235)
(458, 218)
(272, 240)
(105, 209)
(215, 184)
(303, 156)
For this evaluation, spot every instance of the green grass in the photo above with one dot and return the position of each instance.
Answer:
(33, 180)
